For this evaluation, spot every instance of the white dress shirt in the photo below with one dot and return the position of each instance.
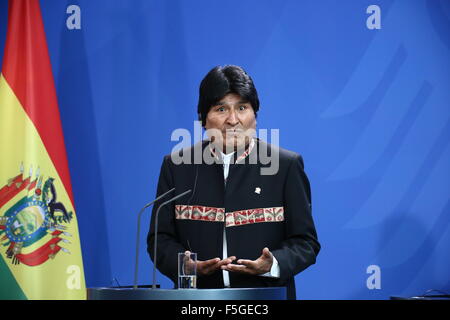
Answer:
(275, 270)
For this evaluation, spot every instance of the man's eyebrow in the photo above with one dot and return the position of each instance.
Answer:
(222, 103)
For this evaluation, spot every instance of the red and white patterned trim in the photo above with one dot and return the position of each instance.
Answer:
(183, 212)
(247, 152)
(243, 217)
(232, 219)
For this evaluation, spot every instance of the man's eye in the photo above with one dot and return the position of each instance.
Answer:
(221, 109)
(242, 108)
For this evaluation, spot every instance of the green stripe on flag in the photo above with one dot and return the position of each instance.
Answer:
(9, 289)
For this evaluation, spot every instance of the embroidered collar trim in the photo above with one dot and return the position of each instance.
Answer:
(244, 155)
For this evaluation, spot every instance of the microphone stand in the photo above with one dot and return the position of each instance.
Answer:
(156, 233)
(139, 231)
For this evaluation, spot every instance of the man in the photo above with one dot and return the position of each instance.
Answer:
(248, 229)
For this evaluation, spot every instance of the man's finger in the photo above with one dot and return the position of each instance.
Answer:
(247, 263)
(208, 266)
(211, 262)
(226, 261)
(234, 268)
(266, 254)
(208, 263)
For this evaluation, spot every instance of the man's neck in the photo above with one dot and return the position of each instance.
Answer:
(237, 154)
(228, 151)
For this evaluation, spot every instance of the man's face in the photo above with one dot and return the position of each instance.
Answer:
(233, 121)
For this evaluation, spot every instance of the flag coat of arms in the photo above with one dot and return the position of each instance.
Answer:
(40, 253)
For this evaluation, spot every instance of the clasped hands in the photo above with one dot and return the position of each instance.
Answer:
(244, 266)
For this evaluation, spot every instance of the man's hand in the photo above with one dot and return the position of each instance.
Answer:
(254, 267)
(209, 266)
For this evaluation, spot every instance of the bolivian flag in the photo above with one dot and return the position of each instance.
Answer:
(40, 255)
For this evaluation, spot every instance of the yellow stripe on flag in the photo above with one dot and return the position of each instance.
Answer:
(61, 276)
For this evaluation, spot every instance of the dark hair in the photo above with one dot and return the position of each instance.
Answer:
(221, 81)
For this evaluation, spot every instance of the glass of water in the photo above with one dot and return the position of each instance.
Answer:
(187, 270)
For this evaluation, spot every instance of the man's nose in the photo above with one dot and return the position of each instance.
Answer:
(232, 119)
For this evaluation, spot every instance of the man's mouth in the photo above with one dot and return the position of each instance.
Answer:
(234, 131)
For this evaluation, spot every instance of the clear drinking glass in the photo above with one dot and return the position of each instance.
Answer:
(187, 270)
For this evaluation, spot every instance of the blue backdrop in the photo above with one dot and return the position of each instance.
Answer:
(361, 92)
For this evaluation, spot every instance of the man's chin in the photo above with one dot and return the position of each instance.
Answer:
(237, 144)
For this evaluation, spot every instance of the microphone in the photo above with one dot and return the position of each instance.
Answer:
(156, 232)
(139, 231)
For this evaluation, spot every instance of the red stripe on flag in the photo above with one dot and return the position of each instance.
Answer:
(13, 191)
(27, 69)
(41, 254)
(7, 188)
(32, 185)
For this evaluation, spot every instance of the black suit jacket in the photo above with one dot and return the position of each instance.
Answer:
(277, 216)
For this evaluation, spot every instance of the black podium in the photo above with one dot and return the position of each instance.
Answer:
(273, 293)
